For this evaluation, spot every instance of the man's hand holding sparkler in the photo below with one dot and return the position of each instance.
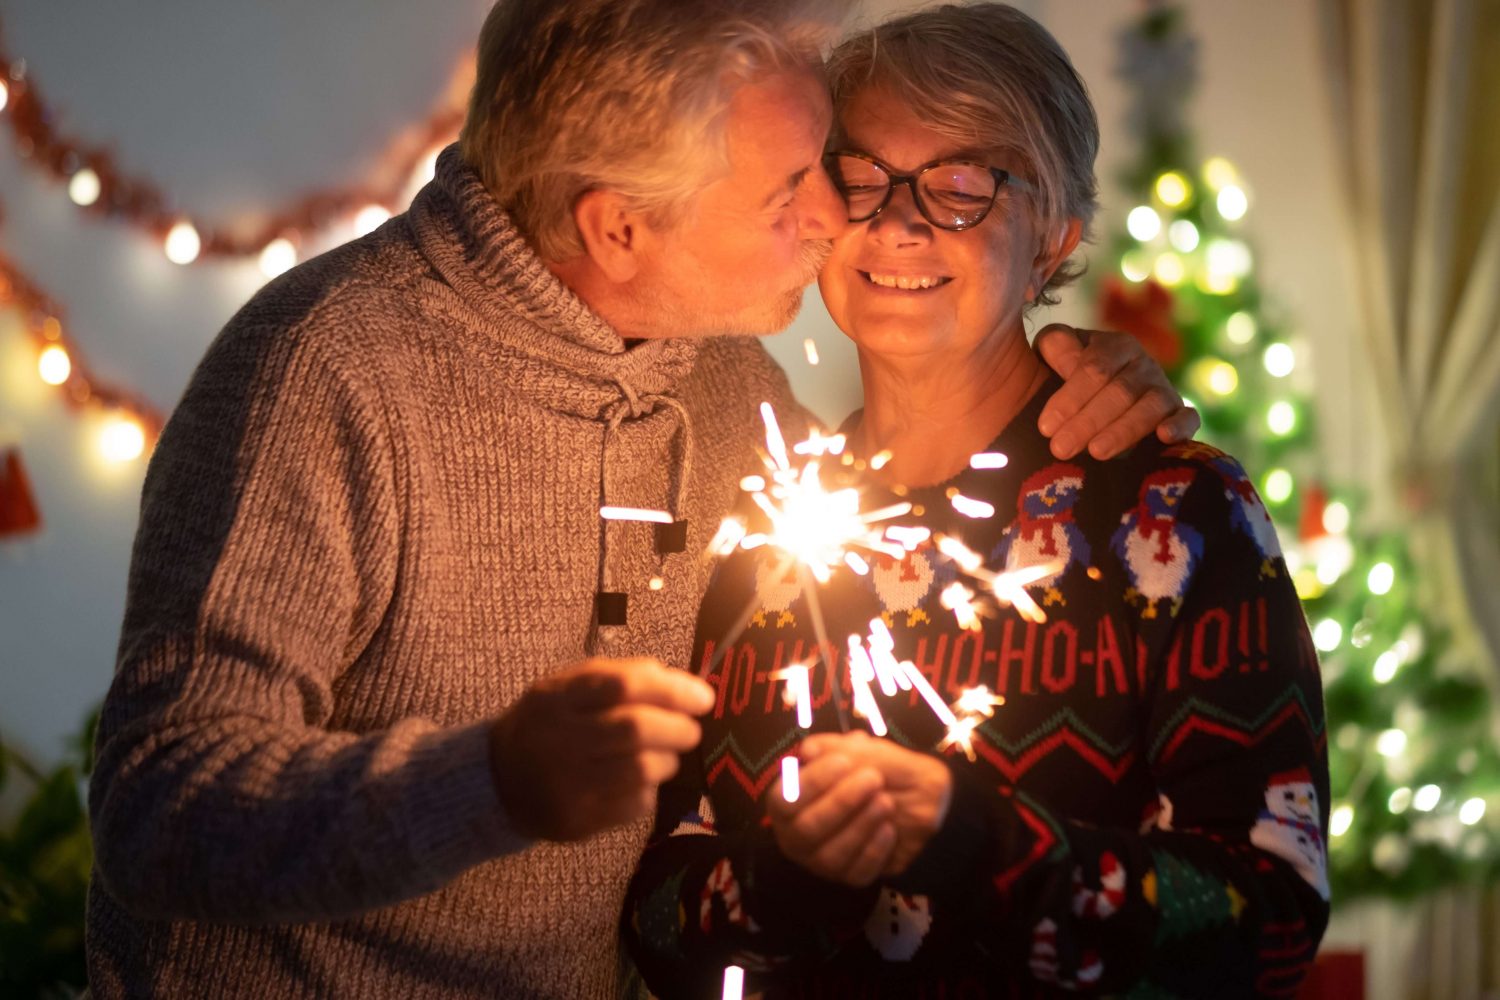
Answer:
(585, 749)
(919, 786)
(840, 826)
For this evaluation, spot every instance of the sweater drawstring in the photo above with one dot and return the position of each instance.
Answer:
(610, 603)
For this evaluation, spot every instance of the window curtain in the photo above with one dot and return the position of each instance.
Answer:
(1414, 88)
(1415, 99)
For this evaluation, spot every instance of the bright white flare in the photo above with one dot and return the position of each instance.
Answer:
(988, 460)
(791, 779)
(970, 507)
(734, 983)
(634, 514)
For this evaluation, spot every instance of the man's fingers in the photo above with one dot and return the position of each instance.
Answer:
(1095, 372)
(1112, 400)
(1144, 416)
(629, 728)
(1061, 347)
(657, 765)
(1181, 426)
(603, 684)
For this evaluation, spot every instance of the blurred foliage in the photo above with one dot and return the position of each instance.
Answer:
(45, 857)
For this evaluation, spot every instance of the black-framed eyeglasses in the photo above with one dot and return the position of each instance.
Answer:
(950, 194)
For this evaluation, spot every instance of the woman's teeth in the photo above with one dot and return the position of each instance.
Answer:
(904, 281)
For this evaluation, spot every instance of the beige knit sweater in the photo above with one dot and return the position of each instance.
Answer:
(370, 524)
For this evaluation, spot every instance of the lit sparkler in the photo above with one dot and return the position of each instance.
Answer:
(816, 529)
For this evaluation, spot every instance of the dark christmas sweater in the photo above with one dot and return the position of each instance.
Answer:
(1143, 815)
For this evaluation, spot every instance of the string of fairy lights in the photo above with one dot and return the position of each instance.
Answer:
(1412, 770)
(87, 175)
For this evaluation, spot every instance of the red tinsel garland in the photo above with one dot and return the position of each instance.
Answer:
(141, 203)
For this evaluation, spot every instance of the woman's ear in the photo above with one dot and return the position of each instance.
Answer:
(612, 233)
(1056, 250)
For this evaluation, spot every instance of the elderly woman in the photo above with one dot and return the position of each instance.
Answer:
(1143, 813)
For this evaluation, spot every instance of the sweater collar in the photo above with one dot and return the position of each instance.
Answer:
(484, 258)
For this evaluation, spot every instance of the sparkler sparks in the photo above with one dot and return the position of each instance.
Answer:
(969, 507)
(791, 778)
(815, 529)
(635, 514)
(734, 983)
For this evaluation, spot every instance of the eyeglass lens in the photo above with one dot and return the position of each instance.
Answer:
(950, 195)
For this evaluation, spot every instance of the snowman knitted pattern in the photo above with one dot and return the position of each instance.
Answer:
(1143, 813)
(370, 525)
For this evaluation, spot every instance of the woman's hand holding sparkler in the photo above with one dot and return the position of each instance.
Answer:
(585, 749)
(918, 785)
(839, 827)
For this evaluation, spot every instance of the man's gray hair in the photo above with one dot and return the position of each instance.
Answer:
(629, 95)
(987, 76)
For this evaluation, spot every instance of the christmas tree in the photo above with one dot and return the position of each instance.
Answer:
(1411, 759)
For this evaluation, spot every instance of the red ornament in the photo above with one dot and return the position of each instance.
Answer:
(1310, 521)
(18, 511)
(1145, 312)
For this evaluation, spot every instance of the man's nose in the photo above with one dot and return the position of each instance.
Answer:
(822, 212)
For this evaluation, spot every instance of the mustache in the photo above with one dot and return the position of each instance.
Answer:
(811, 257)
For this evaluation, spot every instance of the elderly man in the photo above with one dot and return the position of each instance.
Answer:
(390, 706)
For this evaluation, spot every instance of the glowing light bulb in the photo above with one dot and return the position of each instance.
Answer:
(1222, 378)
(370, 218)
(84, 187)
(122, 439)
(1278, 485)
(1219, 172)
(183, 244)
(54, 366)
(1281, 418)
(1183, 235)
(1391, 743)
(1169, 269)
(1143, 223)
(1382, 577)
(1327, 635)
(1341, 820)
(278, 256)
(1280, 359)
(1386, 665)
(1336, 518)
(1240, 328)
(1427, 798)
(1135, 266)
(1228, 258)
(4, 95)
(1471, 812)
(1172, 188)
(1400, 800)
(810, 348)
(1232, 202)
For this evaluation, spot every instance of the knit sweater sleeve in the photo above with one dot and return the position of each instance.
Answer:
(266, 556)
(1225, 891)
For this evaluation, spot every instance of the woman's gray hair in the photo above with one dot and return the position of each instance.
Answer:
(987, 76)
(629, 95)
